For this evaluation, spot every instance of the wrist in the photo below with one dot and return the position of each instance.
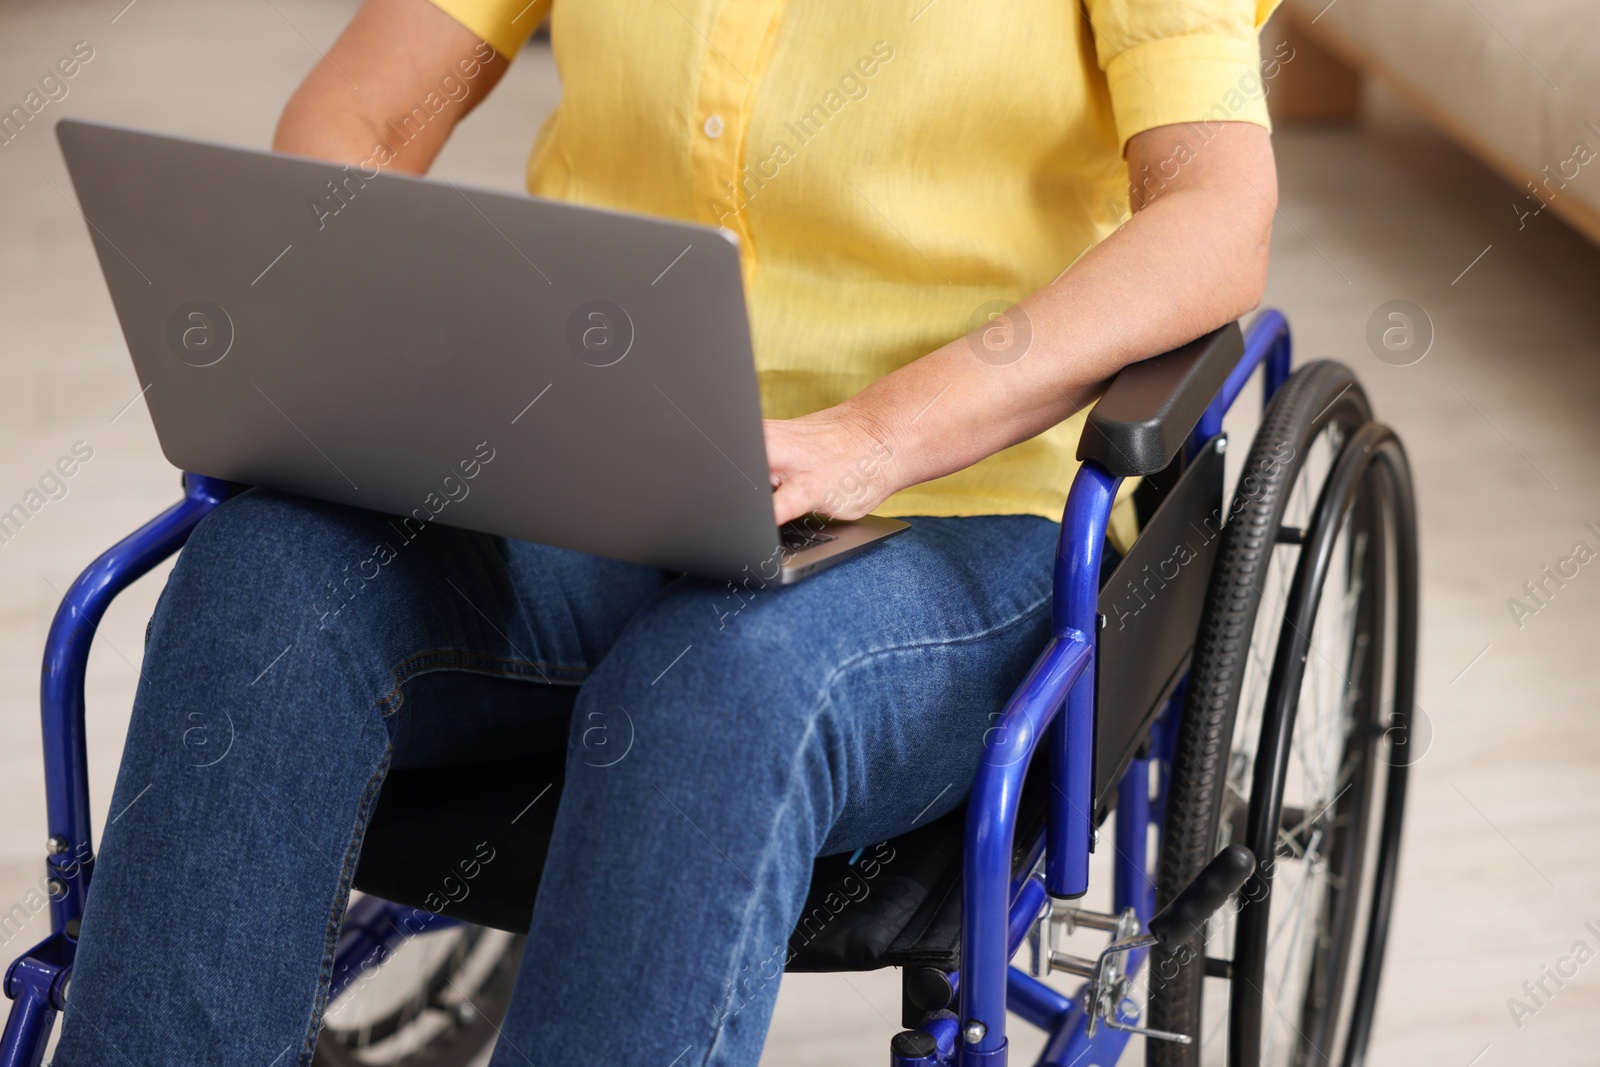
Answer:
(870, 465)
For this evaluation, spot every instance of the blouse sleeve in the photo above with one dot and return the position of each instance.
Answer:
(505, 24)
(1173, 61)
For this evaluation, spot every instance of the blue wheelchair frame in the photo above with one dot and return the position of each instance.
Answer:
(999, 905)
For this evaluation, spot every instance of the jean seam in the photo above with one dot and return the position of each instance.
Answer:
(340, 907)
(722, 1017)
(447, 659)
(910, 646)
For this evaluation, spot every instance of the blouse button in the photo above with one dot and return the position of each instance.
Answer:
(713, 126)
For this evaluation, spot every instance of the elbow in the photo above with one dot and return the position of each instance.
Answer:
(1248, 185)
(1259, 231)
(1251, 282)
(1252, 248)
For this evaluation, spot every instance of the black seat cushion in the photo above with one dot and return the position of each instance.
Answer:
(470, 842)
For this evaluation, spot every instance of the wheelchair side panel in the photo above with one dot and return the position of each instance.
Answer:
(1150, 609)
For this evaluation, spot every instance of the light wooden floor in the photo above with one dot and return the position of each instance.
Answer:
(1501, 870)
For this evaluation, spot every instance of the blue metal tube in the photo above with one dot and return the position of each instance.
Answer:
(1076, 608)
(1030, 860)
(66, 658)
(1268, 336)
(1131, 884)
(1026, 903)
(27, 1029)
(1279, 350)
(35, 985)
(1035, 1002)
(1071, 1046)
(1025, 909)
(990, 832)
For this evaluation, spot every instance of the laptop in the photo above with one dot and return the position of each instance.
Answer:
(521, 367)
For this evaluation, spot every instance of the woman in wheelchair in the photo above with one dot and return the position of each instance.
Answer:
(932, 201)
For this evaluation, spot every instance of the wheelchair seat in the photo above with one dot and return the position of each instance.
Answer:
(470, 843)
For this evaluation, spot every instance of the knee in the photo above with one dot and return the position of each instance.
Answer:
(260, 569)
(238, 621)
(259, 529)
(263, 552)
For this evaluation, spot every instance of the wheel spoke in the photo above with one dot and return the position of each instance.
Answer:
(1297, 911)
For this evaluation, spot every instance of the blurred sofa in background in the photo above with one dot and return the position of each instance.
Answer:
(1515, 82)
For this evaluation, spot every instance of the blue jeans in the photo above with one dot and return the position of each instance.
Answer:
(302, 649)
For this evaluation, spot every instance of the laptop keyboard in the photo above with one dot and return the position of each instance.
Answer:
(795, 537)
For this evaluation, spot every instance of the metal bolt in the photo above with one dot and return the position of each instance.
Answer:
(1222, 444)
(56, 845)
(973, 1032)
(56, 888)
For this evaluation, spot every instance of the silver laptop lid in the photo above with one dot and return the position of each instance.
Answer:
(523, 367)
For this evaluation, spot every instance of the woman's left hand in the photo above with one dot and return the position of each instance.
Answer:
(830, 462)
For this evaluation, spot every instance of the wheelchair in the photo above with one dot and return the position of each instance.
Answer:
(1232, 695)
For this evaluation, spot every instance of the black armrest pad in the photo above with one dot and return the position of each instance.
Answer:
(1153, 405)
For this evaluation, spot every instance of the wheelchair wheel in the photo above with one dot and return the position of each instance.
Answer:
(1304, 661)
(438, 1000)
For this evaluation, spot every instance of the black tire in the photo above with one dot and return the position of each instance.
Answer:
(1309, 488)
(440, 1003)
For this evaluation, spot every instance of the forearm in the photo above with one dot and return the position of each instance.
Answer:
(1191, 260)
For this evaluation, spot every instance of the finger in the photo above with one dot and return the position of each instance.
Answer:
(790, 501)
(780, 461)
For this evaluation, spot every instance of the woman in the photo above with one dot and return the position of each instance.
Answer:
(899, 176)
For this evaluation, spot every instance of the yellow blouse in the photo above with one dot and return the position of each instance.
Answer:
(896, 171)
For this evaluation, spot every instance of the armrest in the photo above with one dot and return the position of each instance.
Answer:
(1152, 406)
